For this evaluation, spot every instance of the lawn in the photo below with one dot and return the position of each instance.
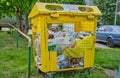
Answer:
(108, 58)
(13, 61)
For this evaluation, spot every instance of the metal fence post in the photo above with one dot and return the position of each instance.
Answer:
(29, 56)
(29, 42)
(17, 39)
(11, 31)
(119, 72)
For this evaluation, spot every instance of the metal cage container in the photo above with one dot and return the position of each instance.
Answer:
(63, 36)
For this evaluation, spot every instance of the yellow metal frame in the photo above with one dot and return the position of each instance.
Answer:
(40, 17)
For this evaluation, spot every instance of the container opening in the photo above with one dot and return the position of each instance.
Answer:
(85, 9)
(54, 7)
(68, 8)
(69, 45)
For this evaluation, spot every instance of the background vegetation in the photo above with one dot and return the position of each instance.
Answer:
(13, 61)
(107, 8)
(21, 8)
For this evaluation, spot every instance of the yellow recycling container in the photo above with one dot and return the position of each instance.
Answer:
(63, 36)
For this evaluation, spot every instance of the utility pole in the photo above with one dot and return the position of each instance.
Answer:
(88, 2)
(117, 11)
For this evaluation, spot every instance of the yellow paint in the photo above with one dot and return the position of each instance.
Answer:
(53, 61)
(83, 21)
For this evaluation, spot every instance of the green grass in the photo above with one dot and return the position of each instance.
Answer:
(108, 58)
(13, 61)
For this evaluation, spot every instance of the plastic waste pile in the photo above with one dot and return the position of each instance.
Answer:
(70, 46)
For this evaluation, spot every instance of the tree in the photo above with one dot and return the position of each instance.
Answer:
(64, 1)
(107, 8)
(19, 8)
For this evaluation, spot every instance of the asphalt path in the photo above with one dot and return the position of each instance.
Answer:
(101, 45)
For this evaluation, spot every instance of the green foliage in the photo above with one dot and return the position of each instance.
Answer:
(64, 1)
(107, 8)
(19, 8)
(118, 20)
(10, 7)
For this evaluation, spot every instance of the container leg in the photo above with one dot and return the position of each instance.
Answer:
(44, 75)
(89, 71)
(51, 75)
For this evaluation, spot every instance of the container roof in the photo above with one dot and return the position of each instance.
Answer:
(47, 8)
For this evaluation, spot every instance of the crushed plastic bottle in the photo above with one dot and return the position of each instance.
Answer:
(63, 64)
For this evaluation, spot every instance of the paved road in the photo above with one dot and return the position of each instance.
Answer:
(113, 73)
(101, 45)
(5, 29)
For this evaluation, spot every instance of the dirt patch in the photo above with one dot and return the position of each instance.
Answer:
(112, 73)
(6, 47)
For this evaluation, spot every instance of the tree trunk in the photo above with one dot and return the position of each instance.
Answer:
(26, 23)
(19, 21)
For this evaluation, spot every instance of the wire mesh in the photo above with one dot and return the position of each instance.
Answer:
(69, 45)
